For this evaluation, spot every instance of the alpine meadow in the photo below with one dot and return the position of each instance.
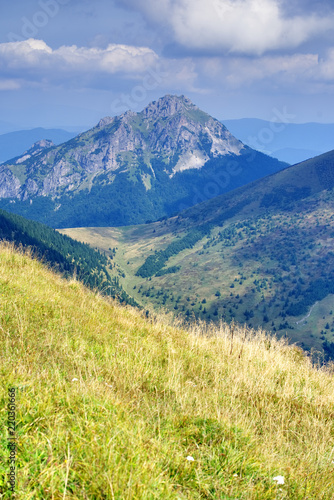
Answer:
(167, 250)
(111, 404)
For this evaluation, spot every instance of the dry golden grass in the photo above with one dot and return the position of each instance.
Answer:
(246, 407)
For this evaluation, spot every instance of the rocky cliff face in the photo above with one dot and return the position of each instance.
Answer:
(131, 168)
(171, 130)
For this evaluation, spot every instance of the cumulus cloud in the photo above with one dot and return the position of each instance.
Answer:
(35, 59)
(250, 27)
(32, 62)
(285, 70)
(308, 73)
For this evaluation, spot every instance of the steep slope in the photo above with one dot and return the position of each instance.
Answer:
(132, 168)
(262, 254)
(14, 144)
(67, 256)
(109, 405)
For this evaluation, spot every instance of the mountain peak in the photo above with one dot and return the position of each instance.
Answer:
(168, 105)
(42, 144)
(105, 121)
(35, 149)
(145, 153)
(165, 106)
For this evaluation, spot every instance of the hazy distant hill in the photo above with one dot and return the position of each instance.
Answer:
(132, 168)
(289, 142)
(262, 254)
(16, 143)
(6, 127)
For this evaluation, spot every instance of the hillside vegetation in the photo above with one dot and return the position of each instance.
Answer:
(64, 254)
(111, 405)
(262, 254)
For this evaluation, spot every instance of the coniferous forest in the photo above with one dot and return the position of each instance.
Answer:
(69, 257)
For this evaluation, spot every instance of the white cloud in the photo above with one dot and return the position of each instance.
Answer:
(297, 73)
(34, 63)
(138, 71)
(36, 57)
(326, 66)
(180, 74)
(284, 70)
(232, 26)
(6, 84)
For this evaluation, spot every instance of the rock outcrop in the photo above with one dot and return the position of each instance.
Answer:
(172, 129)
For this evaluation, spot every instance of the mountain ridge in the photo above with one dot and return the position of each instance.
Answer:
(14, 144)
(132, 168)
(63, 254)
(261, 254)
(130, 131)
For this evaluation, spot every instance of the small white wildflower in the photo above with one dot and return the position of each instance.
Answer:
(75, 379)
(190, 459)
(279, 479)
(235, 475)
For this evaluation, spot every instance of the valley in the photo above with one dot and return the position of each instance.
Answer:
(262, 255)
(167, 250)
(239, 236)
(69, 258)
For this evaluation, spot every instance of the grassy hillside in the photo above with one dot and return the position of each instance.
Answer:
(261, 255)
(112, 406)
(64, 254)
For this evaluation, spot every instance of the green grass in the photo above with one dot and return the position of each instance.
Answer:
(149, 394)
(262, 261)
(20, 172)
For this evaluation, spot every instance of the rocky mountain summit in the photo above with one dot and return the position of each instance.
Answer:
(172, 127)
(36, 148)
(138, 153)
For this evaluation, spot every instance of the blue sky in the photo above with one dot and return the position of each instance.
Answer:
(70, 62)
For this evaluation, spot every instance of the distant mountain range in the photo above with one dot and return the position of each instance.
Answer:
(131, 168)
(293, 143)
(262, 254)
(289, 142)
(16, 143)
